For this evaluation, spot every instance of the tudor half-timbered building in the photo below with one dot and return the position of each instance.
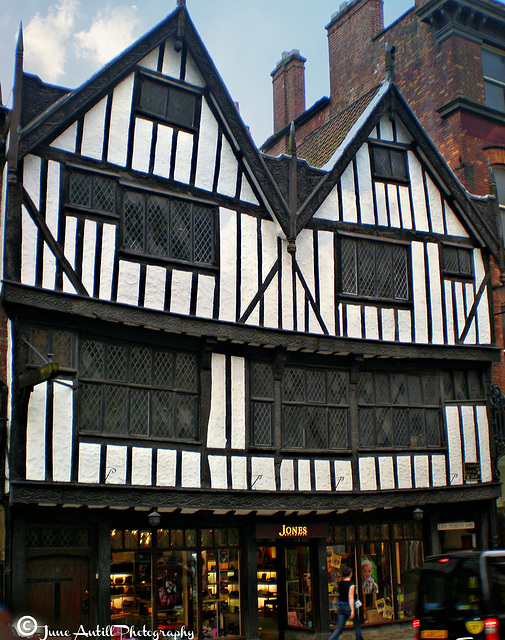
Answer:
(288, 364)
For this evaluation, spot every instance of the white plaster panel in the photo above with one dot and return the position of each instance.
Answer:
(438, 470)
(483, 307)
(180, 298)
(269, 258)
(263, 474)
(89, 463)
(305, 259)
(128, 282)
(156, 278)
(93, 131)
(418, 194)
(454, 226)
(28, 248)
(53, 198)
(329, 208)
(380, 199)
(163, 151)
(228, 264)
(107, 261)
(350, 213)
(66, 141)
(300, 304)
(394, 207)
(287, 475)
(49, 272)
(205, 296)
(120, 121)
(142, 139)
(193, 75)
(419, 292)
(483, 439)
(405, 208)
(404, 472)
(36, 434)
(207, 144)
(388, 324)
(166, 468)
(365, 185)
(216, 432)
(238, 403)
(227, 182)
(436, 213)
(353, 321)
(63, 421)
(386, 472)
(437, 318)
(343, 475)
(150, 61)
(31, 178)
(218, 472)
(460, 306)
(371, 323)
(454, 445)
(246, 191)
(115, 470)
(171, 60)
(191, 466)
(421, 472)
(88, 255)
(322, 475)
(386, 129)
(249, 266)
(68, 287)
(449, 312)
(239, 472)
(404, 325)
(183, 156)
(304, 480)
(471, 336)
(469, 439)
(142, 466)
(367, 477)
(287, 288)
(402, 133)
(327, 279)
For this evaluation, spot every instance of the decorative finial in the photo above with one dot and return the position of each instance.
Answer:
(20, 46)
(390, 63)
(181, 3)
(292, 140)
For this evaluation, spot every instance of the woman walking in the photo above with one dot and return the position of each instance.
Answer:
(347, 609)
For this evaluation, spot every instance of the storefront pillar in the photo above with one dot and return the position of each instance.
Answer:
(18, 602)
(102, 582)
(321, 608)
(249, 585)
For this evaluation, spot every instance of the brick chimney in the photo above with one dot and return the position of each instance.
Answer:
(288, 80)
(352, 51)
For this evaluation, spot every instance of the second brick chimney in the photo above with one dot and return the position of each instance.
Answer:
(288, 79)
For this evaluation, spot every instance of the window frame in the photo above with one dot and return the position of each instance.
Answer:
(389, 176)
(91, 210)
(491, 80)
(459, 274)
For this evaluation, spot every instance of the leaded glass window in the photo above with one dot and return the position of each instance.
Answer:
(457, 261)
(374, 269)
(262, 403)
(92, 192)
(169, 228)
(46, 344)
(167, 102)
(389, 163)
(315, 408)
(137, 390)
(399, 410)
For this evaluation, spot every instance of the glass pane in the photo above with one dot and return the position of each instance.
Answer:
(338, 429)
(400, 273)
(116, 362)
(139, 412)
(115, 405)
(409, 561)
(181, 107)
(293, 426)
(475, 385)
(451, 263)
(298, 587)
(92, 359)
(398, 164)
(415, 394)
(376, 581)
(337, 387)
(140, 365)
(186, 371)
(349, 267)
(384, 428)
(262, 423)
(163, 369)
(293, 385)
(80, 189)
(493, 65)
(185, 422)
(204, 234)
(366, 388)
(401, 427)
(382, 390)
(366, 419)
(162, 415)
(384, 273)
(90, 407)
(176, 589)
(157, 225)
(382, 166)
(431, 390)
(261, 380)
(62, 344)
(104, 194)
(316, 430)
(432, 418)
(316, 388)
(399, 389)
(366, 269)
(153, 98)
(465, 262)
(134, 221)
(181, 230)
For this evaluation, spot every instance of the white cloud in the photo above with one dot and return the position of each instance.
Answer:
(45, 40)
(111, 31)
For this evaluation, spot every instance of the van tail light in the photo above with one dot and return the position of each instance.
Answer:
(492, 629)
(416, 624)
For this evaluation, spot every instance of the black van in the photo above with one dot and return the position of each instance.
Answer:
(462, 597)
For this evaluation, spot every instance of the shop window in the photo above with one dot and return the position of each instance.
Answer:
(457, 262)
(168, 103)
(375, 270)
(493, 66)
(298, 587)
(137, 391)
(169, 228)
(399, 410)
(91, 192)
(389, 163)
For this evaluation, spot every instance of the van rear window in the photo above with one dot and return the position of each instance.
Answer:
(433, 592)
(496, 576)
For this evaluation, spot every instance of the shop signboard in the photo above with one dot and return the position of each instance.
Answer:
(455, 526)
(288, 530)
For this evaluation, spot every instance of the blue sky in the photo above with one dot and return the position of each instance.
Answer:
(66, 41)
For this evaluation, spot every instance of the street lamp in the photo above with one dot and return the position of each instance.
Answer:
(154, 520)
(418, 513)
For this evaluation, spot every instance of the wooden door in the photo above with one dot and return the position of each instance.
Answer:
(57, 591)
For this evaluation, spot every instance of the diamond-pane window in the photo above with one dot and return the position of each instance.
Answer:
(167, 102)
(92, 191)
(169, 228)
(389, 163)
(262, 420)
(262, 395)
(457, 262)
(45, 344)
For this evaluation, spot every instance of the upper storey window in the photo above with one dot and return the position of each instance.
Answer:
(389, 163)
(169, 228)
(493, 66)
(375, 269)
(457, 262)
(168, 103)
(92, 192)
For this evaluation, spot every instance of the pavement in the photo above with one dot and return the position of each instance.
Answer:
(393, 631)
